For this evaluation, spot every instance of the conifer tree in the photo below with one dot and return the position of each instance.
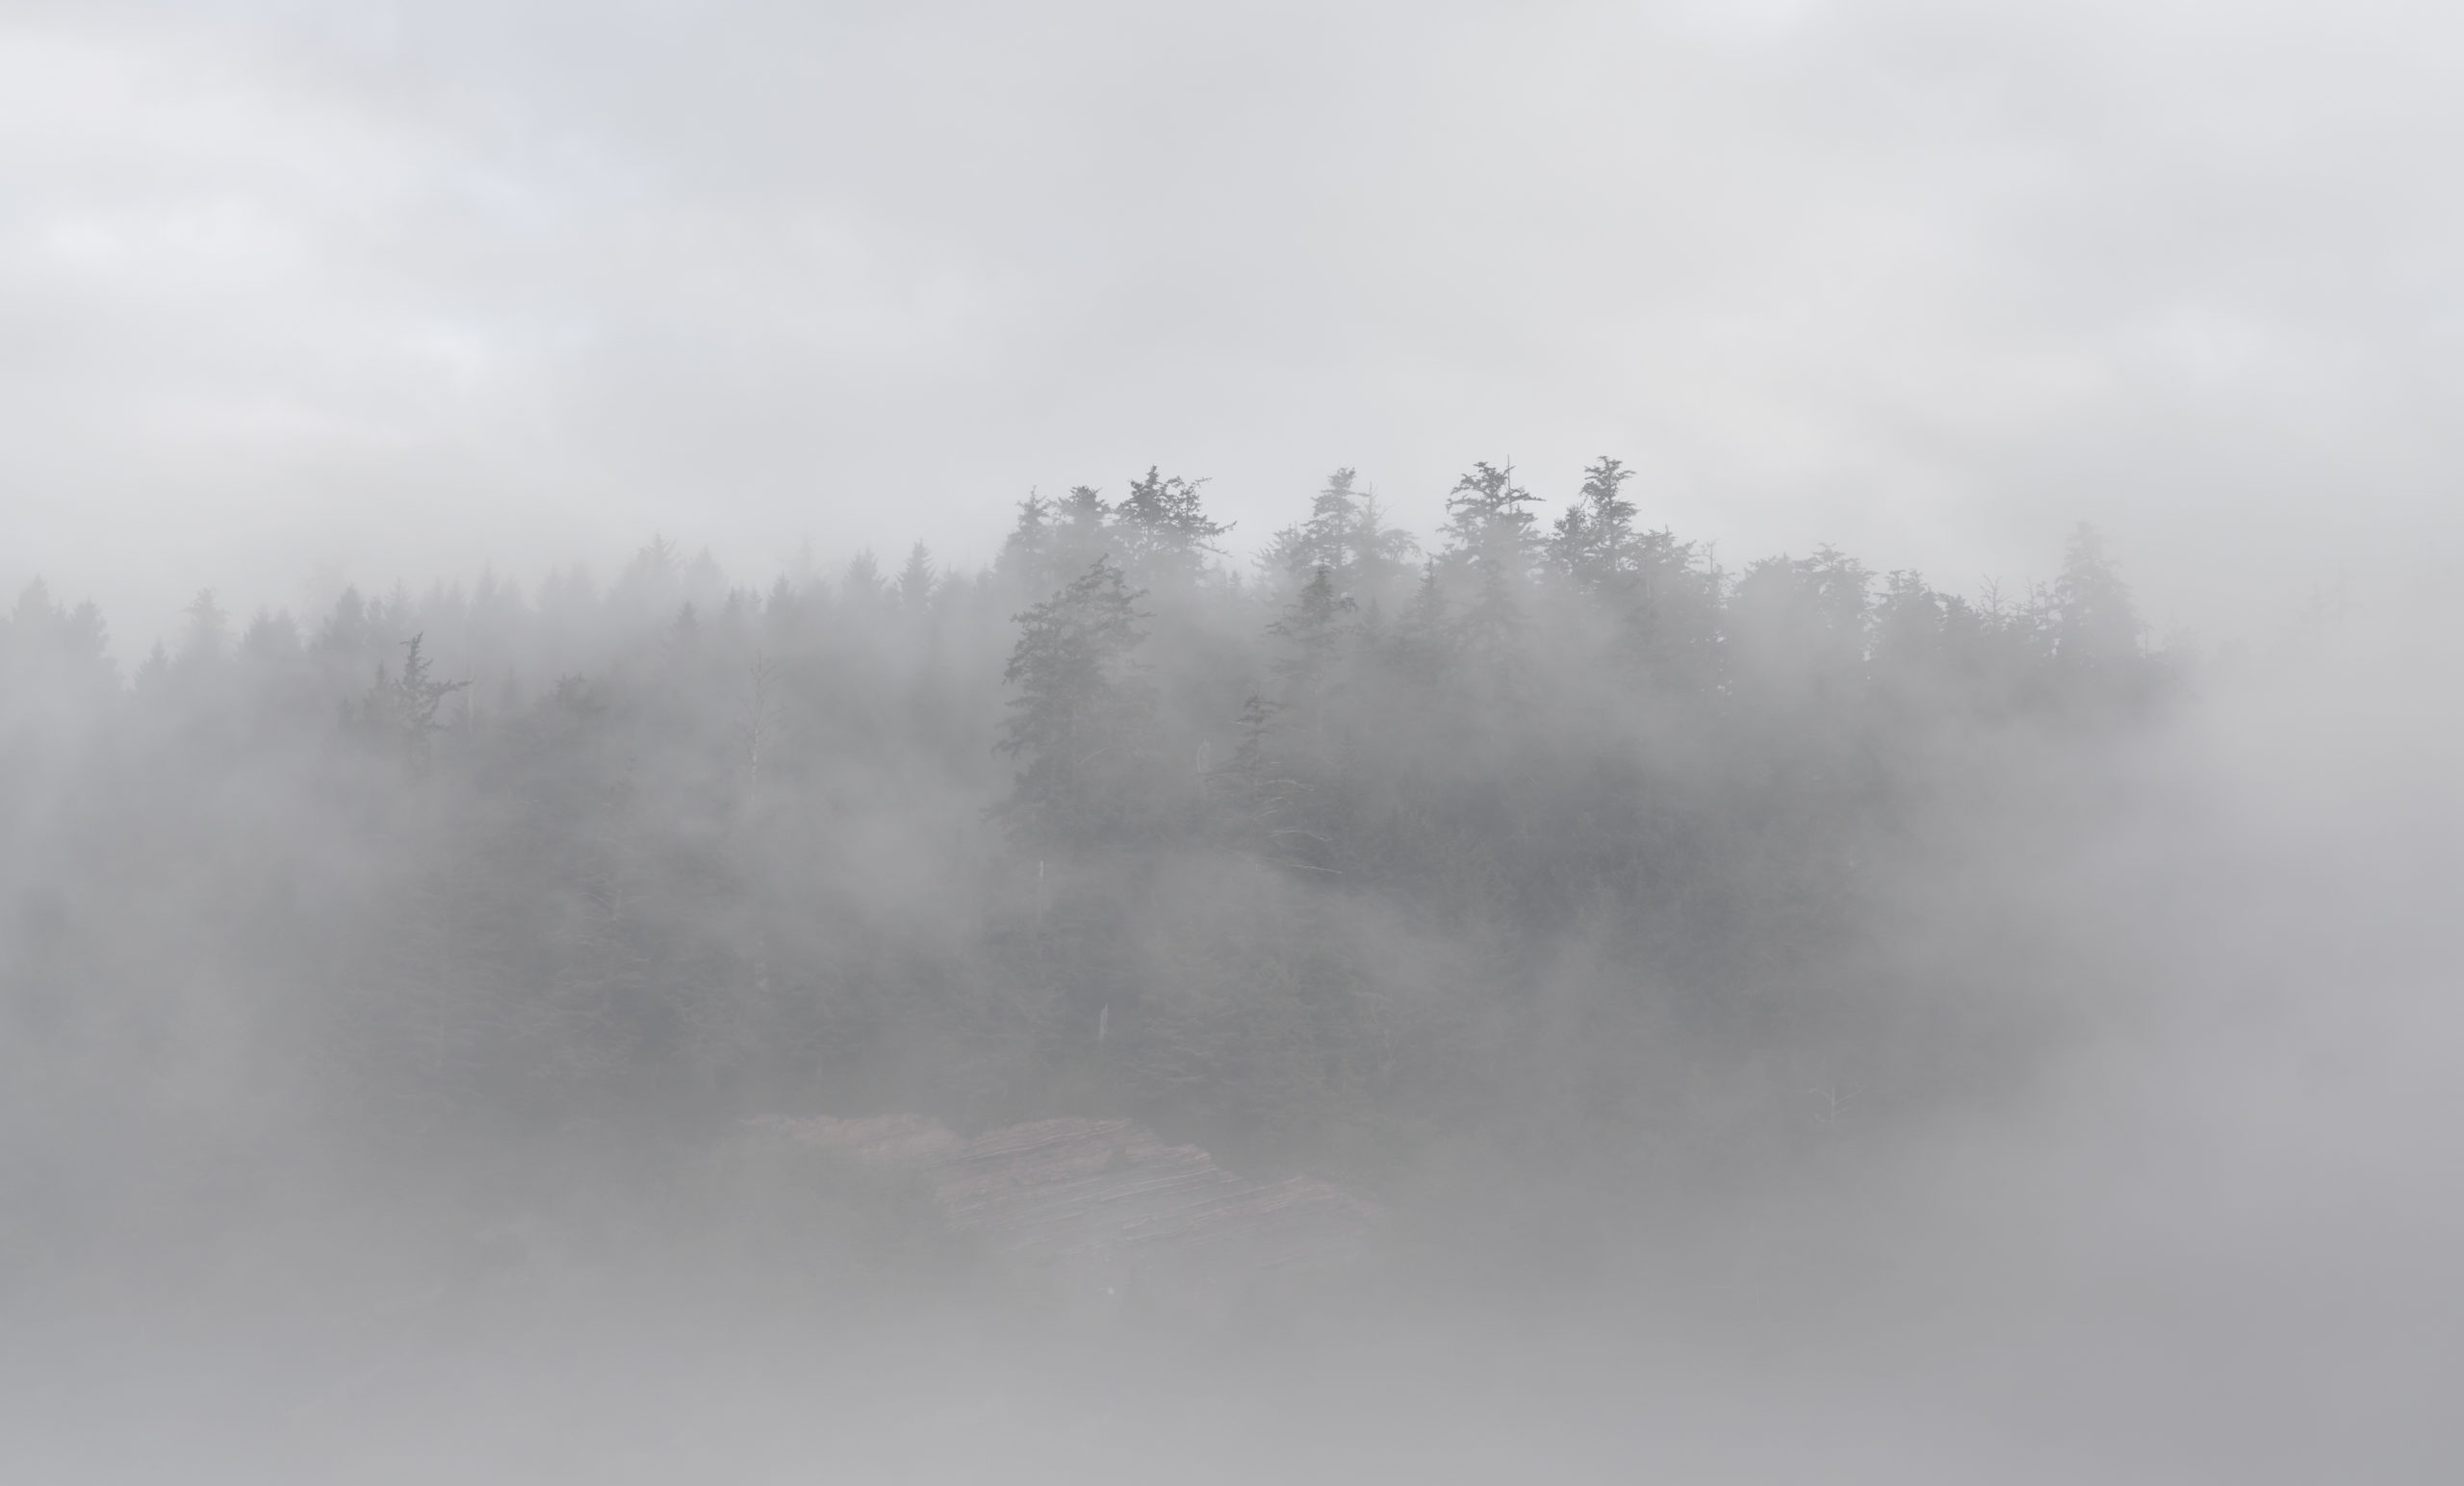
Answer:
(1592, 542)
(1797, 626)
(1082, 720)
(402, 707)
(1486, 524)
(1287, 761)
(1027, 551)
(1424, 644)
(1066, 536)
(1348, 536)
(864, 585)
(1493, 540)
(916, 581)
(2095, 620)
(206, 632)
(1166, 534)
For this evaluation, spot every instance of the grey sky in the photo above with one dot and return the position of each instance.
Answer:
(294, 291)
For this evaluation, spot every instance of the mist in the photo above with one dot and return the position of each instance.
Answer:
(1780, 1023)
(1436, 743)
(311, 294)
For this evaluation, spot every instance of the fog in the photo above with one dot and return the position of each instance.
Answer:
(312, 291)
(1776, 1033)
(831, 744)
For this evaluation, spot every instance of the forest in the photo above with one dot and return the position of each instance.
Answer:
(1543, 843)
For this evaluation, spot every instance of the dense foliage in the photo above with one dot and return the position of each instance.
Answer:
(1557, 832)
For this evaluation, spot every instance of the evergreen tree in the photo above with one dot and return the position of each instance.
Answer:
(1166, 535)
(1592, 542)
(1487, 527)
(206, 634)
(1310, 631)
(1055, 540)
(1288, 761)
(400, 710)
(1379, 554)
(863, 586)
(273, 639)
(1797, 626)
(1322, 542)
(916, 581)
(1082, 720)
(1911, 622)
(1424, 642)
(1494, 540)
(1027, 551)
(1346, 535)
(2095, 624)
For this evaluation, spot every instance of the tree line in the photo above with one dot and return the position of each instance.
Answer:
(1549, 832)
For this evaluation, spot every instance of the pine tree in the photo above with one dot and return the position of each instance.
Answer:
(2095, 624)
(1311, 631)
(1027, 550)
(1486, 524)
(863, 586)
(1319, 542)
(1067, 534)
(206, 635)
(1593, 543)
(1424, 642)
(1164, 532)
(1287, 761)
(1379, 554)
(1908, 623)
(1495, 540)
(401, 708)
(1082, 720)
(1346, 535)
(1798, 626)
(43, 645)
(916, 581)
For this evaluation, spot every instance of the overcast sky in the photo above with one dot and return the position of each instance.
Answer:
(299, 291)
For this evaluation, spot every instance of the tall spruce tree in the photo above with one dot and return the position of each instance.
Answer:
(1346, 535)
(2096, 623)
(1082, 720)
(1164, 533)
(1287, 762)
(401, 708)
(1592, 542)
(917, 579)
(1493, 540)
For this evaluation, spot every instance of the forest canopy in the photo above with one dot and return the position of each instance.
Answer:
(1549, 831)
